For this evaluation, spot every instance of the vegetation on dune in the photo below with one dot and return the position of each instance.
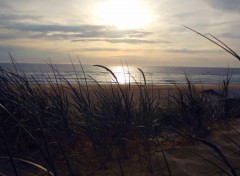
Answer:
(62, 128)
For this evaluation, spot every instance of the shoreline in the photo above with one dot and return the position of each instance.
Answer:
(154, 89)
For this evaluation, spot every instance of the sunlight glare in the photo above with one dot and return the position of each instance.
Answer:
(123, 14)
(122, 74)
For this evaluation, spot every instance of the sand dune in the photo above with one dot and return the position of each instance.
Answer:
(197, 159)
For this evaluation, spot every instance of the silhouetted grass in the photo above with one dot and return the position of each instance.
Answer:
(61, 128)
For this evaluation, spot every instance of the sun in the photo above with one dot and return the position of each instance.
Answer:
(123, 14)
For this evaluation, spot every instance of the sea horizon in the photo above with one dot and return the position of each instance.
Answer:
(120, 64)
(157, 75)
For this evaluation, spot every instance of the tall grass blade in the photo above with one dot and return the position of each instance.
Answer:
(223, 47)
(30, 163)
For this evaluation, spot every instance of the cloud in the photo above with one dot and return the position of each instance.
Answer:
(3, 4)
(103, 32)
(226, 5)
(7, 36)
(187, 51)
(130, 41)
(18, 26)
(27, 26)
(6, 20)
(53, 28)
(181, 15)
(229, 35)
(21, 23)
(95, 49)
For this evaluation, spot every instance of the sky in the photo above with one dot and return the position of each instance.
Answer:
(136, 32)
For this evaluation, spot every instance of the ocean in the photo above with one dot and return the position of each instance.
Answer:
(157, 75)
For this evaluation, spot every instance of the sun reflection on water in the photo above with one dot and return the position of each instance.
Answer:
(124, 74)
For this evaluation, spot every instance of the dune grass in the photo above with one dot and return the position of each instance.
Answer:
(60, 128)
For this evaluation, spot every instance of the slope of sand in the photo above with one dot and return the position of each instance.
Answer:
(200, 159)
(196, 159)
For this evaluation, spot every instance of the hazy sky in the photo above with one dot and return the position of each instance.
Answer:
(144, 32)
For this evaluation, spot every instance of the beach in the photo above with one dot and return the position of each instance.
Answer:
(120, 128)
